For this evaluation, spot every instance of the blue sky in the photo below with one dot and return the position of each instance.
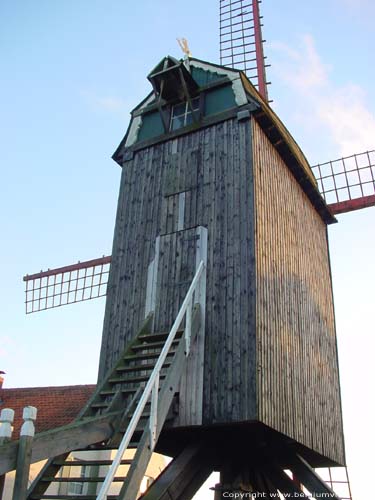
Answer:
(70, 73)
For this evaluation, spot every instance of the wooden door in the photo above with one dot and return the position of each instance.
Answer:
(177, 262)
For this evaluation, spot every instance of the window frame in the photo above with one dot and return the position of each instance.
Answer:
(187, 114)
(77, 488)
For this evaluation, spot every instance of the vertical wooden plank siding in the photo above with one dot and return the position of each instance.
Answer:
(227, 192)
(212, 166)
(298, 384)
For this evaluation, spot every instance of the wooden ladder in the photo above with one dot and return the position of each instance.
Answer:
(119, 395)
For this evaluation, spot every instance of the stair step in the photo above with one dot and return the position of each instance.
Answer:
(100, 405)
(133, 380)
(79, 463)
(108, 392)
(133, 444)
(147, 355)
(152, 345)
(71, 479)
(139, 368)
(69, 497)
(158, 336)
(142, 417)
(128, 390)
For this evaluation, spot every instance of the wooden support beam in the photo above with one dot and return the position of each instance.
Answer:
(310, 479)
(6, 420)
(183, 476)
(260, 484)
(55, 442)
(343, 207)
(24, 453)
(187, 96)
(282, 481)
(269, 487)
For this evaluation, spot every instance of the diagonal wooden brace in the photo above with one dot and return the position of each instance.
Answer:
(55, 442)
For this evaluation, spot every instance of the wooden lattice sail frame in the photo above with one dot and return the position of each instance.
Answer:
(241, 41)
(347, 183)
(66, 285)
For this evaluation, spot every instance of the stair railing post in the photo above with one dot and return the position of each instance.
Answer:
(154, 411)
(188, 326)
(24, 453)
(6, 420)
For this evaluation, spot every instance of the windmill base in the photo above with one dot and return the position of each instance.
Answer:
(253, 461)
(255, 471)
(240, 439)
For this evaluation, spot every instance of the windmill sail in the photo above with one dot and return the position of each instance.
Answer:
(348, 183)
(67, 285)
(241, 42)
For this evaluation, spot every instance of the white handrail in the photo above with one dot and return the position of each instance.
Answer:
(154, 378)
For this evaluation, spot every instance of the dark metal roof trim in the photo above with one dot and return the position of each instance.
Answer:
(229, 69)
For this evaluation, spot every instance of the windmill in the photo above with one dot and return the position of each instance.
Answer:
(346, 183)
(72, 287)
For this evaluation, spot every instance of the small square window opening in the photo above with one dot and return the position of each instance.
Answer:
(182, 114)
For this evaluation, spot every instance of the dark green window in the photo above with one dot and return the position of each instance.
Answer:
(182, 114)
(219, 99)
(151, 126)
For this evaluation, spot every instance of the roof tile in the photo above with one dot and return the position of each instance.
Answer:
(56, 406)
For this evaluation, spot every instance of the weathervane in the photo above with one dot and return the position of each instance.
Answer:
(183, 43)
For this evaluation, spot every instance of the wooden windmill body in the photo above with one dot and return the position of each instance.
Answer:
(229, 186)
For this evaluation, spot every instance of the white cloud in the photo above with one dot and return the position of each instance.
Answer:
(357, 4)
(350, 122)
(105, 103)
(302, 67)
(111, 103)
(340, 110)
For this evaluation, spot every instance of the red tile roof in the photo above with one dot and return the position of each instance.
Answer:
(56, 405)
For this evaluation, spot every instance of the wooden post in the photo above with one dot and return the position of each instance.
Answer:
(6, 420)
(24, 453)
(154, 411)
(189, 313)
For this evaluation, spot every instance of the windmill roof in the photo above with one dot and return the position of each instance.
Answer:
(274, 128)
(57, 406)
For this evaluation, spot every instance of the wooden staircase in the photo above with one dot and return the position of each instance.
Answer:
(119, 395)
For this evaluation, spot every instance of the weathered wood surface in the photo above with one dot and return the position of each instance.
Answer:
(310, 479)
(23, 467)
(212, 166)
(298, 383)
(182, 478)
(60, 440)
(276, 360)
